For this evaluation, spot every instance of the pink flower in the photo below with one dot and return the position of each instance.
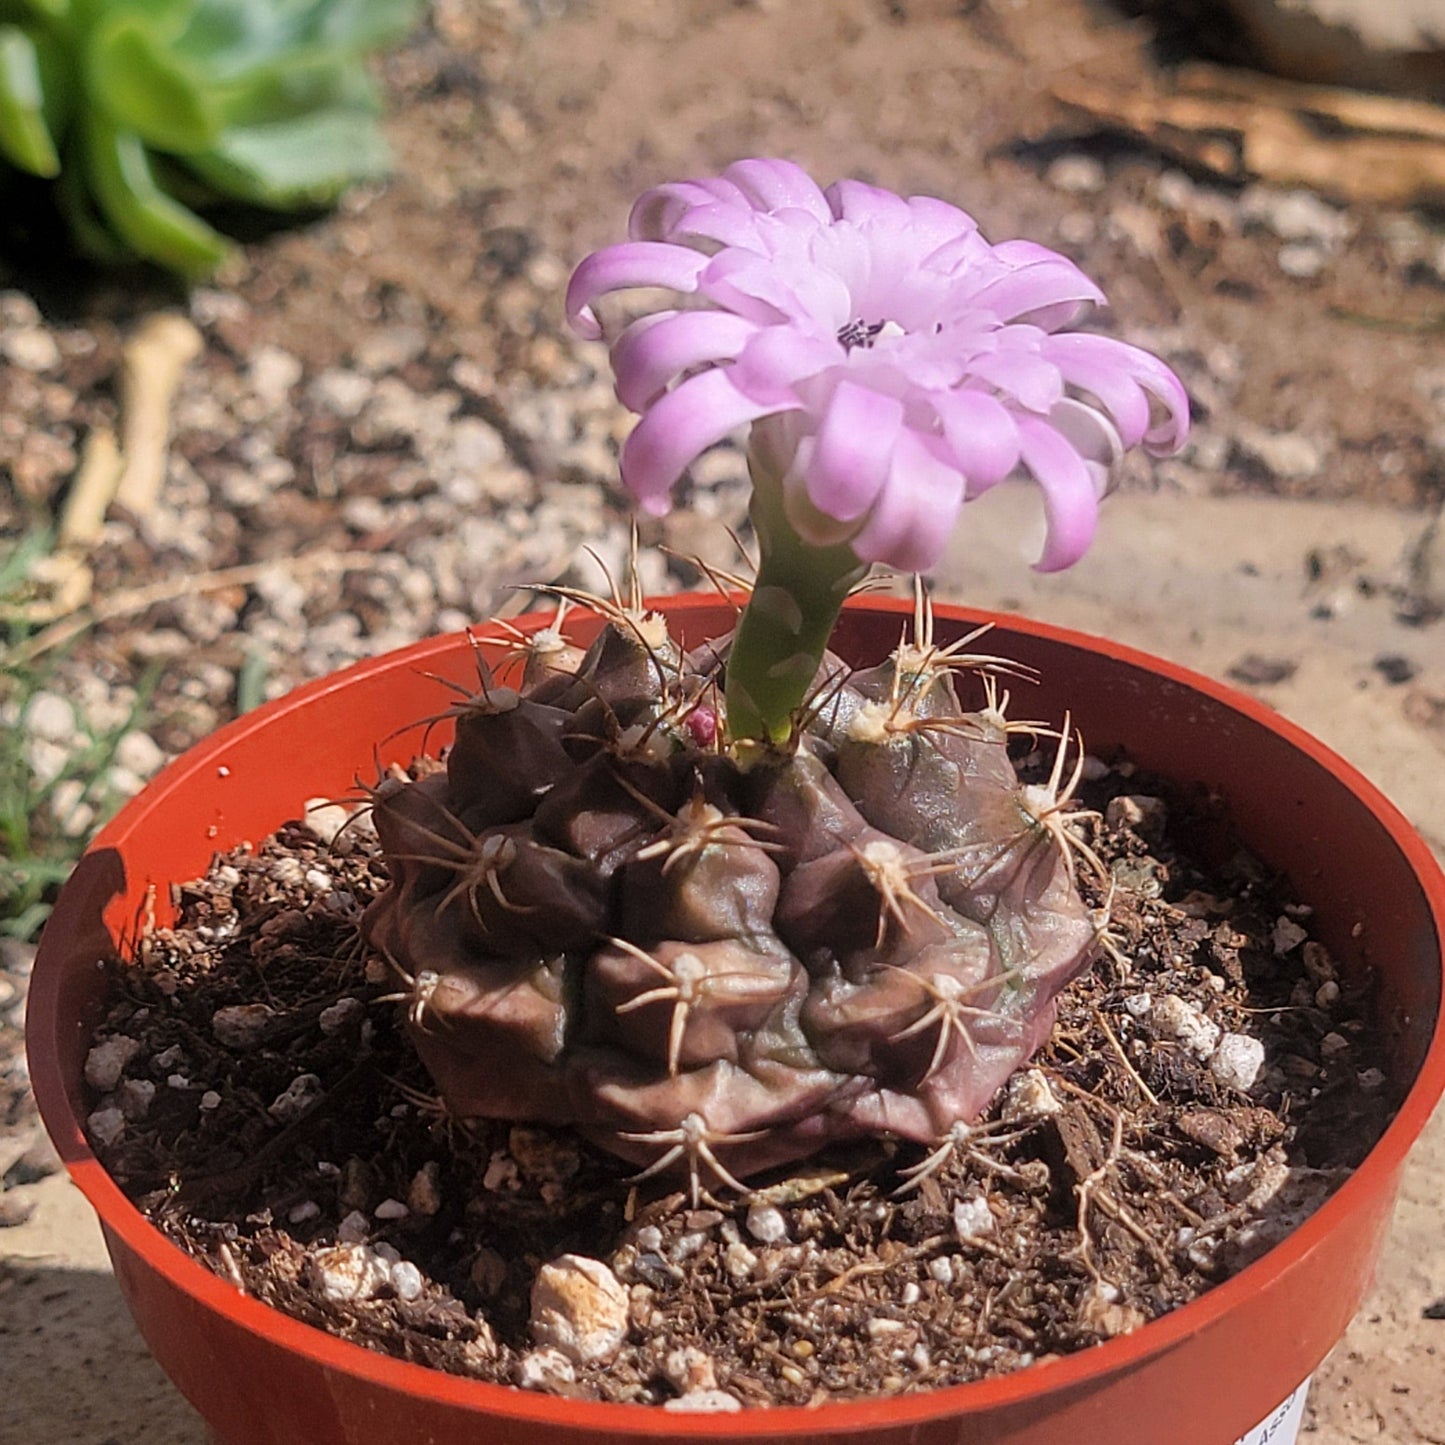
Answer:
(898, 364)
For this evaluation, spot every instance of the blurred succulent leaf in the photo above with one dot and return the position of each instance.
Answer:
(361, 25)
(25, 138)
(306, 161)
(295, 85)
(21, 10)
(148, 89)
(150, 222)
(140, 110)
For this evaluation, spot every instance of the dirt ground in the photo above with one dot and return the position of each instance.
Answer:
(357, 371)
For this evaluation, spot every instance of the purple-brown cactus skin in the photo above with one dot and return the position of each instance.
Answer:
(718, 910)
(711, 960)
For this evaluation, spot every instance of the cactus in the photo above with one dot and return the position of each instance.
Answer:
(720, 909)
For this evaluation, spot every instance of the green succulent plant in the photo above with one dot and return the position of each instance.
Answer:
(146, 112)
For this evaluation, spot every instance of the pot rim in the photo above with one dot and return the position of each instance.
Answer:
(1124, 1353)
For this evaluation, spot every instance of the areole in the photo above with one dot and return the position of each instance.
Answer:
(260, 1377)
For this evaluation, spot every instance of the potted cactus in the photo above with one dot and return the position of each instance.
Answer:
(721, 890)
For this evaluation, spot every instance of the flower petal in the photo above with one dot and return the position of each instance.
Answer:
(852, 450)
(914, 516)
(1070, 504)
(1029, 379)
(633, 263)
(982, 435)
(676, 429)
(857, 201)
(655, 350)
(776, 185)
(777, 360)
(1090, 432)
(1115, 372)
(1036, 286)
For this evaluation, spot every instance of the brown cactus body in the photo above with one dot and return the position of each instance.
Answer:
(712, 968)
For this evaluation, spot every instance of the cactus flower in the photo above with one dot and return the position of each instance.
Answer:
(892, 365)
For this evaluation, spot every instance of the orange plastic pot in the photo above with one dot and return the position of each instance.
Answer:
(1200, 1376)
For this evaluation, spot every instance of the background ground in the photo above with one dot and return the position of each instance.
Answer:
(387, 426)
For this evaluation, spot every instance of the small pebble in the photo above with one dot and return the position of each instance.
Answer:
(390, 1209)
(766, 1224)
(349, 1273)
(106, 1126)
(300, 1094)
(354, 1228)
(210, 1100)
(106, 1062)
(423, 1195)
(1029, 1095)
(1237, 1062)
(300, 1213)
(406, 1280)
(1333, 1044)
(242, 1025)
(325, 818)
(544, 1370)
(972, 1217)
(580, 1308)
(135, 1097)
(340, 1015)
(1178, 1019)
(1287, 934)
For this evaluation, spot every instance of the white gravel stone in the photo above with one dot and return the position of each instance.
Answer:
(31, 348)
(1285, 454)
(1178, 1019)
(354, 1228)
(1287, 934)
(343, 393)
(325, 818)
(241, 1025)
(580, 1308)
(940, 1269)
(739, 1261)
(391, 1209)
(349, 1273)
(300, 1213)
(210, 1100)
(1303, 260)
(50, 717)
(972, 1217)
(1028, 1096)
(106, 1062)
(1237, 1062)
(1138, 1005)
(272, 373)
(106, 1126)
(135, 1097)
(766, 1224)
(1079, 175)
(406, 1280)
(544, 1370)
(300, 1094)
(340, 1016)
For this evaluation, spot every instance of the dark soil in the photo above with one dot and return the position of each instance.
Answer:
(296, 1151)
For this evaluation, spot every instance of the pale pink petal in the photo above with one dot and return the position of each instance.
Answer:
(935, 222)
(1070, 505)
(852, 451)
(655, 350)
(676, 429)
(1110, 369)
(1033, 287)
(778, 186)
(1032, 381)
(914, 516)
(982, 435)
(777, 359)
(1090, 432)
(859, 202)
(633, 263)
(655, 212)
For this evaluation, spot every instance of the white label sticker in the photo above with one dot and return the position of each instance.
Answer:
(1281, 1426)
